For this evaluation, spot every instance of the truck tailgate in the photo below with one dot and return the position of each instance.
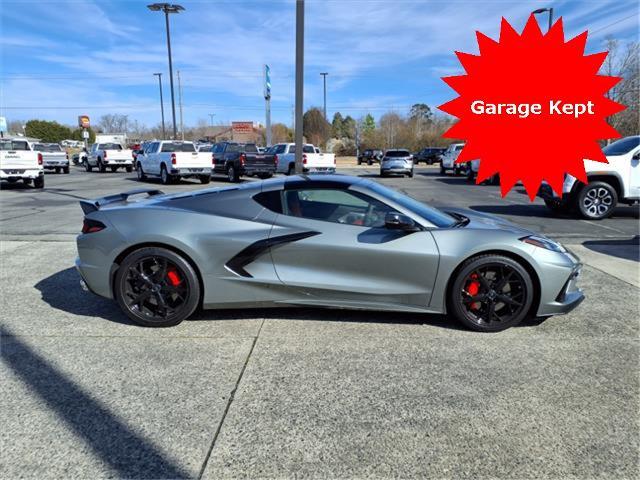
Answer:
(13, 159)
(259, 160)
(193, 160)
(320, 160)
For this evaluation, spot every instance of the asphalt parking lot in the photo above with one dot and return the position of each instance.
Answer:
(308, 392)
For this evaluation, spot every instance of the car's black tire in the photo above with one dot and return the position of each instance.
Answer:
(129, 168)
(470, 175)
(502, 288)
(65, 170)
(165, 177)
(57, 169)
(101, 166)
(87, 166)
(443, 171)
(140, 174)
(114, 169)
(410, 174)
(359, 162)
(27, 181)
(204, 179)
(556, 205)
(291, 170)
(369, 162)
(163, 278)
(597, 200)
(384, 174)
(232, 174)
(39, 182)
(430, 161)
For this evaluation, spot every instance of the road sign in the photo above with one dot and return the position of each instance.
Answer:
(3, 124)
(85, 133)
(267, 82)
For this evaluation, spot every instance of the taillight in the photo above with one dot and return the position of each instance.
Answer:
(213, 159)
(173, 159)
(92, 226)
(243, 158)
(275, 160)
(304, 159)
(39, 159)
(104, 155)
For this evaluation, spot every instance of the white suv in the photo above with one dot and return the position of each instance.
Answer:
(608, 184)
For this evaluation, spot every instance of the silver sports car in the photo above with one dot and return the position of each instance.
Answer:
(329, 241)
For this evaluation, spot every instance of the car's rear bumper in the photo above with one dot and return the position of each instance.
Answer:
(18, 173)
(56, 164)
(252, 170)
(190, 172)
(319, 169)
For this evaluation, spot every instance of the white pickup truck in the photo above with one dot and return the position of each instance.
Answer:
(449, 158)
(172, 160)
(54, 158)
(18, 161)
(312, 160)
(608, 183)
(108, 155)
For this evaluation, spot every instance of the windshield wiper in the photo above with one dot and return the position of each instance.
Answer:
(461, 220)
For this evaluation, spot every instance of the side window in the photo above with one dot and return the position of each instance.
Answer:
(281, 149)
(270, 200)
(337, 206)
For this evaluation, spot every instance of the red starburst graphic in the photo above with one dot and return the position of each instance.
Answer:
(532, 107)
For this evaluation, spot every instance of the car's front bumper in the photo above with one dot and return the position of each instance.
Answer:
(559, 274)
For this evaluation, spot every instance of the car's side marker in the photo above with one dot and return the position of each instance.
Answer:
(253, 251)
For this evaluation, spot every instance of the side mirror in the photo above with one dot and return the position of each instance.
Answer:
(397, 221)
(636, 156)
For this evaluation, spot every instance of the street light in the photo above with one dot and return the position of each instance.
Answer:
(211, 115)
(542, 10)
(168, 8)
(324, 80)
(164, 133)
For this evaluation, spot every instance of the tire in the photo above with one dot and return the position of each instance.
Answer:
(430, 161)
(232, 175)
(291, 170)
(26, 181)
(165, 178)
(114, 169)
(503, 290)
(359, 162)
(204, 179)
(470, 175)
(556, 205)
(597, 200)
(442, 170)
(87, 167)
(178, 288)
(129, 168)
(410, 174)
(57, 169)
(101, 167)
(369, 162)
(65, 170)
(384, 174)
(140, 173)
(39, 182)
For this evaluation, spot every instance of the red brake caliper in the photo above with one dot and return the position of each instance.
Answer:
(174, 278)
(473, 287)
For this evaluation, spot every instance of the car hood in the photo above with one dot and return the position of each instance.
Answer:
(486, 221)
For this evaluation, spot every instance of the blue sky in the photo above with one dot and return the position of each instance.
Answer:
(65, 58)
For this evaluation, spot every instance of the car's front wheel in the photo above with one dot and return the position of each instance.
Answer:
(490, 293)
(156, 287)
(597, 200)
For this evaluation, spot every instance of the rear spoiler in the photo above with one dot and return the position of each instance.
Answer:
(89, 206)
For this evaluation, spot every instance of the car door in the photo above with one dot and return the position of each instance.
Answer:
(332, 247)
(634, 174)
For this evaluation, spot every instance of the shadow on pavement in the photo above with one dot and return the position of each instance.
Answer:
(127, 453)
(626, 249)
(531, 210)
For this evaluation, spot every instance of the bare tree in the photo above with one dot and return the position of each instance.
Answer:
(113, 123)
(624, 62)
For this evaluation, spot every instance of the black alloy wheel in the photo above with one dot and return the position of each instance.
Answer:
(491, 293)
(157, 287)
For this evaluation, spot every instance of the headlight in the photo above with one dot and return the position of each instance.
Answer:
(544, 242)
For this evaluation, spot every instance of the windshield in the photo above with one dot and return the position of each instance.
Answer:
(431, 214)
(178, 147)
(397, 153)
(14, 145)
(622, 146)
(41, 147)
(109, 146)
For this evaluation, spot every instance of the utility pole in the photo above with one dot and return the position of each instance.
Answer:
(324, 81)
(180, 103)
(164, 133)
(211, 115)
(299, 81)
(267, 103)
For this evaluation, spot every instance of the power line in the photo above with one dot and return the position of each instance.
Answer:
(612, 24)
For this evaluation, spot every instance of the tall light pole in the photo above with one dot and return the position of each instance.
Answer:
(211, 115)
(324, 81)
(299, 81)
(542, 10)
(168, 8)
(164, 133)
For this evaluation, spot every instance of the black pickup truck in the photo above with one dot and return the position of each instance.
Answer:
(241, 159)
(429, 155)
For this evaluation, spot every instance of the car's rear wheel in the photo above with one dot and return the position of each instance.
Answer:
(57, 169)
(101, 166)
(39, 182)
(165, 178)
(113, 169)
(204, 179)
(140, 173)
(470, 175)
(129, 168)
(156, 287)
(65, 170)
(232, 175)
(369, 162)
(443, 171)
(491, 293)
(87, 167)
(597, 200)
(291, 170)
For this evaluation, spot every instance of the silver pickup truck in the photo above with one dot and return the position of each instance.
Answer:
(53, 157)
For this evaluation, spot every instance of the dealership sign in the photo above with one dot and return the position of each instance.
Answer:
(242, 127)
(83, 121)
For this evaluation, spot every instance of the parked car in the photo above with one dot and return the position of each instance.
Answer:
(369, 156)
(108, 155)
(449, 157)
(204, 147)
(53, 157)
(341, 241)
(236, 160)
(398, 162)
(172, 160)
(429, 155)
(18, 161)
(472, 168)
(608, 183)
(313, 161)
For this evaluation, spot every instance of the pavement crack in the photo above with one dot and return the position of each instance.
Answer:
(229, 402)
